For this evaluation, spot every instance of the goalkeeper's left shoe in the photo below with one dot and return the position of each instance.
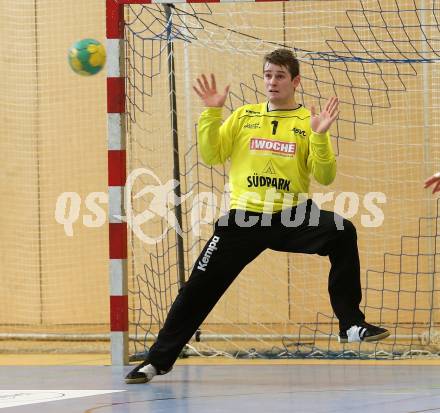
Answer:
(363, 332)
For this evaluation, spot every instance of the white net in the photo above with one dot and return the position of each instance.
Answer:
(379, 59)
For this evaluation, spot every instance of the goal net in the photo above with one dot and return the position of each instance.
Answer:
(379, 59)
(54, 283)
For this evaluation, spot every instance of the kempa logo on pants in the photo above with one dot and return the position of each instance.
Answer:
(211, 248)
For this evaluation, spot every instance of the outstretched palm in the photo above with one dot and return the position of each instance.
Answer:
(320, 123)
(208, 92)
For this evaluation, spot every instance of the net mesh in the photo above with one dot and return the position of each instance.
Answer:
(52, 140)
(379, 59)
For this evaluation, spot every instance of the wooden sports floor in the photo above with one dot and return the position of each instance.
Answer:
(87, 383)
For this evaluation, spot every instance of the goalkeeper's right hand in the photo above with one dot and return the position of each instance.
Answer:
(208, 92)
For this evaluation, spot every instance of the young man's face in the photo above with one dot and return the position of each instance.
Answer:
(280, 87)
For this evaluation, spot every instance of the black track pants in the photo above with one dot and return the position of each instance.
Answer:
(237, 240)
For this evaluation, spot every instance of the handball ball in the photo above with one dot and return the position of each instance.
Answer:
(87, 57)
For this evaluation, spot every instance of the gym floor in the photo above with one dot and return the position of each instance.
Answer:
(87, 383)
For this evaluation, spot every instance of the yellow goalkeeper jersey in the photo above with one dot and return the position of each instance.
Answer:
(272, 154)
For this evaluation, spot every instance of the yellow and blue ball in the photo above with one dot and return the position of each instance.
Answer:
(87, 57)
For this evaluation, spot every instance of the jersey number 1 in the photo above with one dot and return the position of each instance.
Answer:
(274, 127)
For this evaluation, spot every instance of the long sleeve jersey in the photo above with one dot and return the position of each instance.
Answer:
(272, 153)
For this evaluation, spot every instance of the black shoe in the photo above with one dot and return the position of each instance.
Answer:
(363, 332)
(143, 373)
(144, 376)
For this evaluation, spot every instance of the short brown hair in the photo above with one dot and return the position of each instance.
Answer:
(283, 57)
